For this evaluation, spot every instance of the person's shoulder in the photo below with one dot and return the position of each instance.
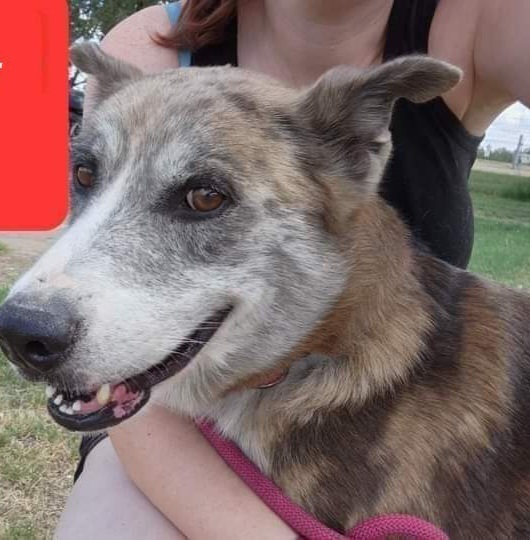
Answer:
(132, 40)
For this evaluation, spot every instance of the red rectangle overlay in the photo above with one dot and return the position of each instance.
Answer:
(33, 114)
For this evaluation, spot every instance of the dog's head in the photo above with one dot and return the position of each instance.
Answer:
(209, 207)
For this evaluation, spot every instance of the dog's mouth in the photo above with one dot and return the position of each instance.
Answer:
(113, 403)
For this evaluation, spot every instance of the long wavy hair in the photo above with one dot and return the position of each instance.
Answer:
(202, 22)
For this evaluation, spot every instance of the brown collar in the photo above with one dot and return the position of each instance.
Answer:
(268, 381)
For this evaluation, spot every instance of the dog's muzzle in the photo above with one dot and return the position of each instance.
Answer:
(38, 340)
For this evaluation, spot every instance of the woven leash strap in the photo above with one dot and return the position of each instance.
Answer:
(376, 528)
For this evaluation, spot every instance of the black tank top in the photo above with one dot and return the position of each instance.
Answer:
(427, 177)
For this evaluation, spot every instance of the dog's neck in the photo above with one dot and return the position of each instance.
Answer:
(368, 344)
(376, 328)
(380, 320)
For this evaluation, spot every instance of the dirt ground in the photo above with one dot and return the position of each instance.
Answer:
(22, 249)
(500, 168)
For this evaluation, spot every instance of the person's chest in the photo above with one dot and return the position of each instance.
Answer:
(451, 38)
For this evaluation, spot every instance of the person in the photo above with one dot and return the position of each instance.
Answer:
(156, 476)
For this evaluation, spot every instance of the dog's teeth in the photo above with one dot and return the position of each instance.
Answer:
(63, 408)
(103, 394)
(58, 400)
(76, 407)
(50, 391)
(69, 411)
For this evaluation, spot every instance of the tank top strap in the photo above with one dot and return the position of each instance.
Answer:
(174, 10)
(408, 27)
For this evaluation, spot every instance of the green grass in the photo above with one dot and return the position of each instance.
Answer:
(503, 186)
(37, 458)
(502, 227)
(22, 528)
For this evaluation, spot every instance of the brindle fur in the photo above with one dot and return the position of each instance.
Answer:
(408, 379)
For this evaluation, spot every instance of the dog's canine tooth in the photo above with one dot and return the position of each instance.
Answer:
(76, 407)
(50, 391)
(103, 394)
(58, 400)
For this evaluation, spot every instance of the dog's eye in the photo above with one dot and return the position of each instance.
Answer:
(84, 176)
(204, 200)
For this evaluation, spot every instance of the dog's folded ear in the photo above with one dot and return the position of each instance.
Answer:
(359, 103)
(111, 73)
(348, 112)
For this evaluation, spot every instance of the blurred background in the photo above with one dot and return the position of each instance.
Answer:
(92, 19)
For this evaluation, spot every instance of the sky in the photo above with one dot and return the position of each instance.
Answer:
(505, 131)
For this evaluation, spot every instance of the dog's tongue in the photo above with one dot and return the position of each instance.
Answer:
(121, 399)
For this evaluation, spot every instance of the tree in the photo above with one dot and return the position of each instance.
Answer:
(92, 19)
(501, 154)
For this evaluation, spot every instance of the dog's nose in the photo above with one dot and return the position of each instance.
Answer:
(36, 337)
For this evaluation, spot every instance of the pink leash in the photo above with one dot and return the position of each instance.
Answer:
(376, 528)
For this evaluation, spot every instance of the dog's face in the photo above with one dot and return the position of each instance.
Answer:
(209, 208)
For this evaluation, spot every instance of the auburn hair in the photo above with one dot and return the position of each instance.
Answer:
(201, 22)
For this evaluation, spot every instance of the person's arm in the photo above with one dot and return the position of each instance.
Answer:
(166, 456)
(170, 461)
(501, 55)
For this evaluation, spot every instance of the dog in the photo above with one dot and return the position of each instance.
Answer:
(229, 256)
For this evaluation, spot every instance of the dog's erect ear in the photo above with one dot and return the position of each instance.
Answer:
(111, 74)
(349, 110)
(361, 102)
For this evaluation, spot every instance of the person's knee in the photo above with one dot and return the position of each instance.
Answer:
(105, 502)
